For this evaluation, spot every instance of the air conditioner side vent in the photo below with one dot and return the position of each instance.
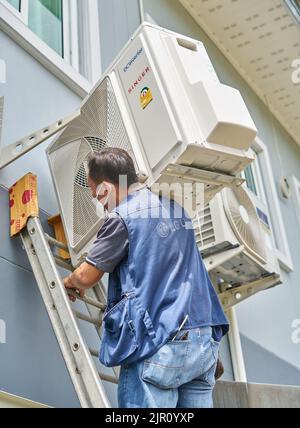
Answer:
(204, 228)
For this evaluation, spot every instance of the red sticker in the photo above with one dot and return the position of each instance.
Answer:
(27, 196)
(12, 222)
(11, 203)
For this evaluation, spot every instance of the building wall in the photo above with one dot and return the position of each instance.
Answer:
(118, 21)
(34, 97)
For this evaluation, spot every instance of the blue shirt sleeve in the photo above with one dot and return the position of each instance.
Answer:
(111, 245)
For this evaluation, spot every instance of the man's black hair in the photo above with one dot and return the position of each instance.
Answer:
(109, 164)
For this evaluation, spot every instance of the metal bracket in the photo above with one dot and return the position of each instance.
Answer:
(12, 152)
(212, 262)
(232, 297)
(202, 176)
(204, 185)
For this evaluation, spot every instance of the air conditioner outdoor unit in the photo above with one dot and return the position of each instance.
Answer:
(236, 219)
(160, 100)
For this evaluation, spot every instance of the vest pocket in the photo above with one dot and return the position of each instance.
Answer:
(119, 337)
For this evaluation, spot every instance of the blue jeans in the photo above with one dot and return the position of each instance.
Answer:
(180, 375)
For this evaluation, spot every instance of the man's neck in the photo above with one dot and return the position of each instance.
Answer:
(124, 193)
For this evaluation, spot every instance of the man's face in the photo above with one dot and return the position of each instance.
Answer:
(105, 192)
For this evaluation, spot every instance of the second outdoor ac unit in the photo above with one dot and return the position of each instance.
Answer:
(235, 219)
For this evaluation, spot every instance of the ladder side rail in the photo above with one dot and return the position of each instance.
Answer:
(79, 362)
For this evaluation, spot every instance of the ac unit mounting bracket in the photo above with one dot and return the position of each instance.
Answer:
(12, 152)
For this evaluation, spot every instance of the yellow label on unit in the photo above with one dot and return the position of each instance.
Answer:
(146, 97)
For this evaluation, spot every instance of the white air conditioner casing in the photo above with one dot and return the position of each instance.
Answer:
(236, 218)
(162, 101)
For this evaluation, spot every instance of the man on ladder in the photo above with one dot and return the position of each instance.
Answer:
(163, 323)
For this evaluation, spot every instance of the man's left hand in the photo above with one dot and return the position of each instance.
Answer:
(70, 286)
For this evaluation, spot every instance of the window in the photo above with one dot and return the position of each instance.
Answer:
(253, 177)
(70, 28)
(250, 180)
(45, 18)
(15, 3)
(260, 180)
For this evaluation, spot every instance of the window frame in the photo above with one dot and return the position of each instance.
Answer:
(265, 179)
(66, 23)
(14, 23)
(258, 180)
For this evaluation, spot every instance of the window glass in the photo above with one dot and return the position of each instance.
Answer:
(15, 3)
(250, 180)
(45, 18)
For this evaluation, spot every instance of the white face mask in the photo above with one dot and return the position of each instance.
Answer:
(100, 206)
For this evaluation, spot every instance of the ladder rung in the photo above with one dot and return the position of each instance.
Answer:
(108, 378)
(53, 241)
(63, 264)
(82, 317)
(88, 301)
(94, 353)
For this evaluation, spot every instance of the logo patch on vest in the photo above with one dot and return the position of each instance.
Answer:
(163, 229)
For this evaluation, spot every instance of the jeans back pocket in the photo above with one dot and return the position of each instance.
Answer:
(165, 369)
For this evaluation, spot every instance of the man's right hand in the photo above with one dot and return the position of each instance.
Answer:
(219, 370)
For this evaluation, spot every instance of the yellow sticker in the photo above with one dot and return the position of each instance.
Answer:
(146, 97)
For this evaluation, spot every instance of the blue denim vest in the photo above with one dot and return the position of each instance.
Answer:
(161, 282)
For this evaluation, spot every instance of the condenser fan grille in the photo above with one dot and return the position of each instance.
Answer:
(244, 221)
(100, 125)
(96, 145)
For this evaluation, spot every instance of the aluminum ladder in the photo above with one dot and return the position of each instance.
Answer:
(78, 357)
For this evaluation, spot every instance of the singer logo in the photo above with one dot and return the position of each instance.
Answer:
(139, 80)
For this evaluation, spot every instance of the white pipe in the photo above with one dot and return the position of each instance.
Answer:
(142, 10)
(236, 350)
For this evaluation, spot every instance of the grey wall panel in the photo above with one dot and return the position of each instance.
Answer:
(225, 357)
(265, 367)
(273, 397)
(118, 21)
(31, 362)
(231, 395)
(34, 98)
